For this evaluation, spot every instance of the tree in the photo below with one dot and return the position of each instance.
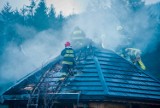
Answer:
(40, 17)
(31, 7)
(17, 17)
(60, 21)
(24, 14)
(7, 13)
(7, 21)
(30, 13)
(135, 5)
(52, 17)
(1, 34)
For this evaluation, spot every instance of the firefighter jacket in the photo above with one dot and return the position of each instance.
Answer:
(68, 56)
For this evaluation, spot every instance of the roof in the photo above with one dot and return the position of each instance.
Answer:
(103, 75)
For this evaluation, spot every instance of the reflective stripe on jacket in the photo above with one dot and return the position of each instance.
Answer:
(68, 54)
(67, 62)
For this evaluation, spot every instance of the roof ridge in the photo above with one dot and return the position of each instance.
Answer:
(101, 76)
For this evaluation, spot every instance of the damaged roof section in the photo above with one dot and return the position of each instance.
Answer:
(103, 75)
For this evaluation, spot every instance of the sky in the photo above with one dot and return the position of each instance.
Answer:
(66, 6)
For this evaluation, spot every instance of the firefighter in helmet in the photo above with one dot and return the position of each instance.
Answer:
(78, 38)
(68, 59)
(135, 57)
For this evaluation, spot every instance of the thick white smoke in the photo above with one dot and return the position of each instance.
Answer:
(19, 61)
(112, 23)
(100, 23)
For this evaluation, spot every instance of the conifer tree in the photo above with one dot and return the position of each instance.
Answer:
(30, 13)
(24, 14)
(7, 13)
(7, 16)
(60, 21)
(1, 34)
(17, 17)
(31, 8)
(135, 5)
(52, 17)
(40, 16)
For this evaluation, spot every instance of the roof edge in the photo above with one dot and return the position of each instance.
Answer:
(52, 62)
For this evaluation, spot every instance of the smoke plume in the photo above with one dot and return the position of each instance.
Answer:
(19, 61)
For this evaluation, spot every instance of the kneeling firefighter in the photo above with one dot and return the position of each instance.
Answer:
(135, 57)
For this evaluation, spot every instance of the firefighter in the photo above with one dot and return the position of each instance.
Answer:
(78, 34)
(68, 59)
(135, 57)
(78, 38)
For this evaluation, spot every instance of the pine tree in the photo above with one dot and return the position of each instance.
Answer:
(135, 5)
(52, 17)
(8, 19)
(17, 17)
(41, 17)
(7, 13)
(24, 14)
(29, 11)
(31, 8)
(1, 34)
(60, 21)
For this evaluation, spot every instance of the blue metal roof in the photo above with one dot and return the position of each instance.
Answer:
(102, 76)
(108, 74)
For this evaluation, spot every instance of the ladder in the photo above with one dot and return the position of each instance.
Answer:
(36, 92)
(39, 89)
(33, 100)
(56, 90)
(81, 55)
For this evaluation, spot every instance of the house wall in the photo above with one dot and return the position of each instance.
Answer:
(4, 106)
(107, 105)
(22, 104)
(119, 105)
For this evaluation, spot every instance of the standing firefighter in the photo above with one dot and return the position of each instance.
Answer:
(135, 57)
(78, 38)
(68, 59)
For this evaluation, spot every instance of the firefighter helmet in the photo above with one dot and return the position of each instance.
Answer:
(67, 44)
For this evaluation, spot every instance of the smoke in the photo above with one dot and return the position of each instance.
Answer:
(117, 26)
(113, 24)
(104, 21)
(100, 23)
(95, 25)
(147, 2)
(39, 48)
